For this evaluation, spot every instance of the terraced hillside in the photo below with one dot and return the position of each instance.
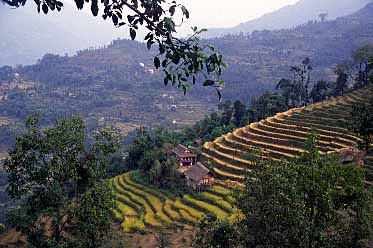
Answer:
(140, 206)
(283, 136)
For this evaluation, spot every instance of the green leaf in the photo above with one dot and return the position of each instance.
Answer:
(164, 63)
(224, 64)
(185, 12)
(79, 3)
(208, 83)
(94, 7)
(157, 62)
(172, 10)
(211, 48)
(162, 49)
(176, 58)
(149, 44)
(115, 19)
(45, 8)
(220, 83)
(133, 33)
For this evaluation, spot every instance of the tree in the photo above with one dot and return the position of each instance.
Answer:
(58, 181)
(6, 73)
(165, 174)
(267, 105)
(227, 114)
(320, 91)
(311, 201)
(91, 221)
(240, 114)
(342, 80)
(363, 58)
(214, 233)
(296, 91)
(286, 87)
(361, 123)
(323, 16)
(180, 59)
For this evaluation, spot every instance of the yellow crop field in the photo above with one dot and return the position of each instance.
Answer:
(218, 201)
(155, 203)
(186, 216)
(131, 224)
(193, 212)
(168, 209)
(141, 206)
(206, 206)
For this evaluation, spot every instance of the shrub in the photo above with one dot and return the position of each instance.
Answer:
(2, 228)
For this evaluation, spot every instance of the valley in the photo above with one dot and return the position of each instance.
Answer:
(104, 151)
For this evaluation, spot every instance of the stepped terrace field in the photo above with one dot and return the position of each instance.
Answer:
(141, 207)
(283, 136)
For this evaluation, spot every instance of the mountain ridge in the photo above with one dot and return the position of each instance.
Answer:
(293, 15)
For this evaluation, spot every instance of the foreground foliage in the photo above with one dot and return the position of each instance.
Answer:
(310, 201)
(57, 180)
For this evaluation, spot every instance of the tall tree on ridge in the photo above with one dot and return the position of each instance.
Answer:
(363, 58)
(240, 113)
(296, 91)
(342, 80)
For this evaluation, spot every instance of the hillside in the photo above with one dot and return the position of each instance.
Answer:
(117, 85)
(256, 61)
(140, 206)
(283, 136)
(264, 57)
(294, 15)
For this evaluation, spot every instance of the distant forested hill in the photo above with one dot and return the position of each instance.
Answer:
(256, 61)
(262, 58)
(293, 15)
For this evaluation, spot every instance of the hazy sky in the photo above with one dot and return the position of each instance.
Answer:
(227, 13)
(223, 13)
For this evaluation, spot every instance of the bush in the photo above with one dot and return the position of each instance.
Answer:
(2, 228)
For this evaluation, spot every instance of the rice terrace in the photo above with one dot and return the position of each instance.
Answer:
(140, 207)
(155, 124)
